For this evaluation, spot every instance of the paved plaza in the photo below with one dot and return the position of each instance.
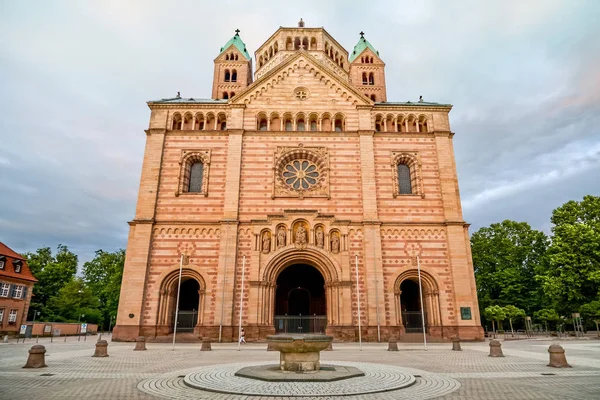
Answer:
(440, 373)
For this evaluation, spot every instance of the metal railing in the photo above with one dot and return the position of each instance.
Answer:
(300, 323)
(186, 320)
(412, 321)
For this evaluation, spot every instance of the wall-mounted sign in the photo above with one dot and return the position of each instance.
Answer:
(23, 329)
(83, 328)
(465, 313)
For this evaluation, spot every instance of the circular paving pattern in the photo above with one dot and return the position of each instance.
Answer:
(381, 381)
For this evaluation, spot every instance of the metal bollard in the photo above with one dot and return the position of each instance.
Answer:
(37, 358)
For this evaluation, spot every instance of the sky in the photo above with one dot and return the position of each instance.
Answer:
(523, 76)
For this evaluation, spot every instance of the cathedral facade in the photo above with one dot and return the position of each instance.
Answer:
(300, 197)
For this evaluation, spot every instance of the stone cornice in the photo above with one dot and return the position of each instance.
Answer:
(141, 221)
(155, 131)
(171, 132)
(198, 105)
(366, 133)
(447, 134)
(412, 108)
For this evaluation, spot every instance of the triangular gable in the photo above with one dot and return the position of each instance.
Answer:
(279, 73)
(368, 53)
(231, 49)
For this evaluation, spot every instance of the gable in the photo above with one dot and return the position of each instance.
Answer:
(325, 89)
(368, 53)
(231, 53)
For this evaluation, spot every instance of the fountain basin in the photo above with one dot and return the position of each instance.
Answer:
(299, 352)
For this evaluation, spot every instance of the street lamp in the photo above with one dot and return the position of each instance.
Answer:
(36, 312)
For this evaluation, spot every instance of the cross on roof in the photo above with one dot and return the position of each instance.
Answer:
(237, 31)
(362, 34)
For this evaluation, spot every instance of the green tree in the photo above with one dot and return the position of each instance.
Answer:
(52, 273)
(573, 276)
(495, 313)
(590, 313)
(103, 276)
(507, 257)
(75, 302)
(546, 315)
(515, 313)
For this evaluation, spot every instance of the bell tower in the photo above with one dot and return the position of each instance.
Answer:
(367, 70)
(233, 69)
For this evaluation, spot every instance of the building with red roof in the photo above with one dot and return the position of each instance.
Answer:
(16, 288)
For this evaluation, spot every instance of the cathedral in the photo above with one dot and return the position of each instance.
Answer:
(297, 198)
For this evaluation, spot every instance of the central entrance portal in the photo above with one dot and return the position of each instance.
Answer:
(300, 304)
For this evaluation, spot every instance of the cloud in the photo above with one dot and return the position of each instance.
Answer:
(522, 76)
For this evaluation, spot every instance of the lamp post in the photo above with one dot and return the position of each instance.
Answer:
(36, 312)
(110, 323)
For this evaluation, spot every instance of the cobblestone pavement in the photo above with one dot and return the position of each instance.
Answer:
(158, 372)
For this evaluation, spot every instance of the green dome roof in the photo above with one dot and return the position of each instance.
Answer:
(360, 47)
(237, 42)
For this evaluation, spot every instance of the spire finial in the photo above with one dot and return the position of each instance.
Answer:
(237, 32)
(300, 23)
(362, 34)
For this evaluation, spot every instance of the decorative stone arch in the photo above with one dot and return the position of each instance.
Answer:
(413, 162)
(317, 156)
(189, 158)
(431, 299)
(313, 256)
(168, 294)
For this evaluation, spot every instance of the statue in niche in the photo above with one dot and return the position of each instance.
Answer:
(335, 243)
(281, 238)
(320, 237)
(301, 235)
(266, 243)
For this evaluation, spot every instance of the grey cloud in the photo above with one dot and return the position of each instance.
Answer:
(75, 76)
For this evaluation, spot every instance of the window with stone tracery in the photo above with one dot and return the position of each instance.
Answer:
(407, 179)
(193, 177)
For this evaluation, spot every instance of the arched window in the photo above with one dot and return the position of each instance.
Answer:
(297, 44)
(231, 95)
(300, 125)
(177, 122)
(227, 75)
(236, 57)
(262, 125)
(313, 43)
(338, 125)
(288, 125)
(404, 184)
(373, 97)
(305, 43)
(226, 57)
(234, 76)
(225, 95)
(371, 79)
(364, 78)
(313, 126)
(196, 175)
(223, 125)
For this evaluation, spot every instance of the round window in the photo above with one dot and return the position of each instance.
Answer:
(301, 174)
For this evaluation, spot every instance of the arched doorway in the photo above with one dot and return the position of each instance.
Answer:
(189, 299)
(411, 306)
(300, 301)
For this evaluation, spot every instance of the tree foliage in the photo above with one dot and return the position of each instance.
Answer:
(75, 302)
(52, 273)
(103, 276)
(507, 257)
(573, 276)
(495, 313)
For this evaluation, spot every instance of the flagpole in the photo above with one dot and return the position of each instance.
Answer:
(358, 302)
(241, 303)
(421, 296)
(177, 303)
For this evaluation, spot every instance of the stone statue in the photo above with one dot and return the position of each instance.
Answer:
(301, 235)
(335, 243)
(281, 238)
(320, 237)
(266, 243)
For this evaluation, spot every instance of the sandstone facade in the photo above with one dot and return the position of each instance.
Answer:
(306, 166)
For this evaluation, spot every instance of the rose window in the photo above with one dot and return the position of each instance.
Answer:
(301, 174)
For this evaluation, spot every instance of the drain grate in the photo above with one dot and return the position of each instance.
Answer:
(47, 375)
(548, 373)
(181, 376)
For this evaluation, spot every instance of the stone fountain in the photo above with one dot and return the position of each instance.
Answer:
(299, 360)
